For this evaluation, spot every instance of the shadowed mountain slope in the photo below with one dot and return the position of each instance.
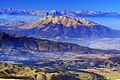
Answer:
(8, 41)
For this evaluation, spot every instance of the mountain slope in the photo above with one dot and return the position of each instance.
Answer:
(10, 41)
(63, 26)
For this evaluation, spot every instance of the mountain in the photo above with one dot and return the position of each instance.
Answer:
(60, 13)
(10, 41)
(63, 26)
(64, 20)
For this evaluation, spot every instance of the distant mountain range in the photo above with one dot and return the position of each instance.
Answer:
(59, 13)
(14, 42)
(61, 27)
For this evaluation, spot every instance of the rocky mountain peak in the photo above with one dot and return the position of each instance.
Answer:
(69, 21)
(64, 20)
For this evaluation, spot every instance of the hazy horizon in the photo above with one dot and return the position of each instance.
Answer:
(74, 5)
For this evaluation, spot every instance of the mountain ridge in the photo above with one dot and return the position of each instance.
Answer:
(11, 41)
(60, 13)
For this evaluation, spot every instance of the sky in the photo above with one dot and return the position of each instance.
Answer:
(74, 5)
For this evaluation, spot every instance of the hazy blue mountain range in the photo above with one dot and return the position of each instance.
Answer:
(59, 13)
(9, 19)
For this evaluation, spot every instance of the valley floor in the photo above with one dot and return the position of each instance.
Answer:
(79, 66)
